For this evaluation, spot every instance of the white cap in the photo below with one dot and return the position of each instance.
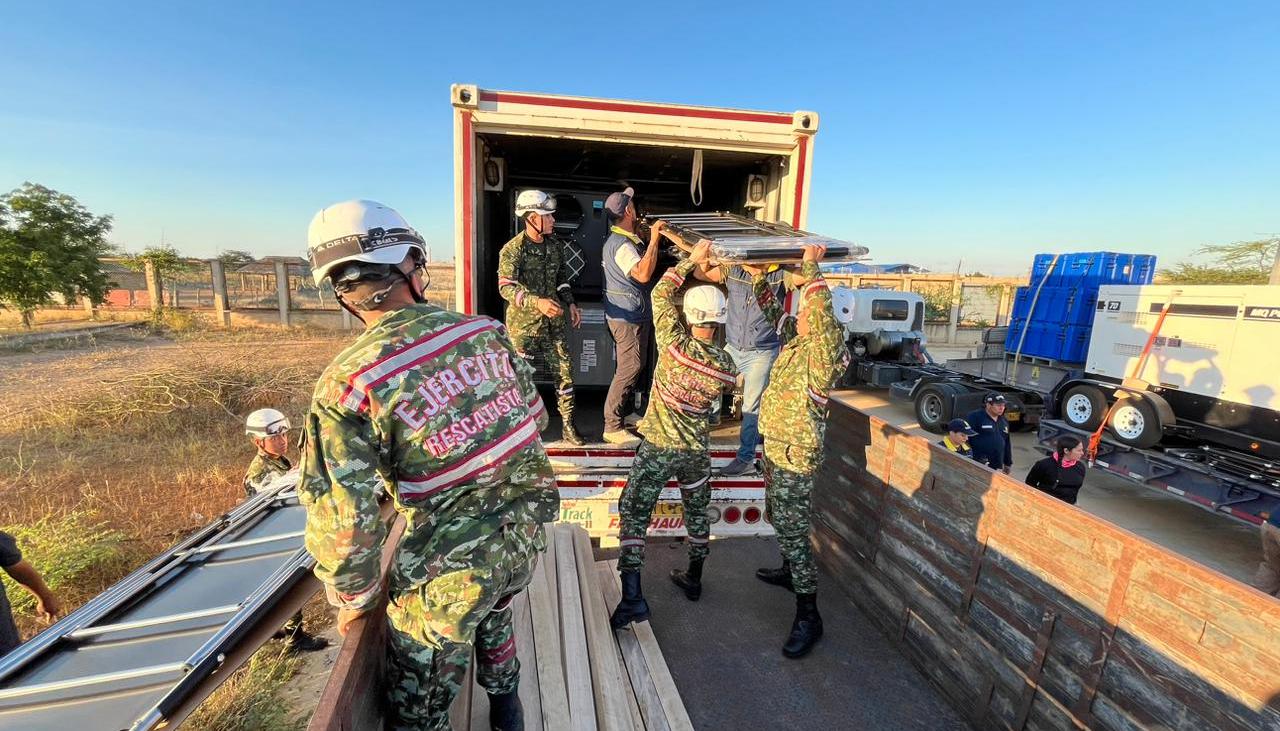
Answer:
(705, 303)
(359, 230)
(266, 423)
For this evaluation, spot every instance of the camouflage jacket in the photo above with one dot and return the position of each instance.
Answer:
(794, 406)
(263, 470)
(528, 270)
(691, 373)
(434, 408)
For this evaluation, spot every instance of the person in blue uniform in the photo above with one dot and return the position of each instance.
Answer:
(957, 438)
(991, 446)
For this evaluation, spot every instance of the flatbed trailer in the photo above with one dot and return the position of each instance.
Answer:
(1219, 480)
(939, 393)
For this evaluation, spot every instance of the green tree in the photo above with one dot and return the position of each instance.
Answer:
(1242, 262)
(233, 258)
(49, 244)
(166, 260)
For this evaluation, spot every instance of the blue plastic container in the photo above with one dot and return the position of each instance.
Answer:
(1093, 269)
(1060, 305)
(1049, 340)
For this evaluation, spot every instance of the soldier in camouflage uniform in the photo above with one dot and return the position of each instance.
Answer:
(269, 431)
(436, 409)
(793, 420)
(692, 371)
(534, 280)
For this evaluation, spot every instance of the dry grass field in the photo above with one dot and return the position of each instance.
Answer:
(111, 453)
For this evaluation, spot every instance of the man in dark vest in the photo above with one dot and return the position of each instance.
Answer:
(627, 272)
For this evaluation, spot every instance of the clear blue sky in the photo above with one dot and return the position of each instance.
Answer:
(949, 130)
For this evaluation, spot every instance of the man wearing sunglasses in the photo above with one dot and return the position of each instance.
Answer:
(533, 278)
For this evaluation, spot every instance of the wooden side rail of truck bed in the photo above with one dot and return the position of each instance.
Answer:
(1028, 612)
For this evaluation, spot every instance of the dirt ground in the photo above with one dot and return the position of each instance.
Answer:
(145, 433)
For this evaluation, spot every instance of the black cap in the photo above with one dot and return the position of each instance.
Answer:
(961, 426)
(993, 398)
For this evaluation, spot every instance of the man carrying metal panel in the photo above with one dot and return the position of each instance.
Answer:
(628, 268)
(692, 371)
(753, 344)
(437, 409)
(534, 280)
(794, 421)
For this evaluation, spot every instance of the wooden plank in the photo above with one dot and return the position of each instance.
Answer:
(573, 636)
(653, 718)
(1243, 611)
(543, 612)
(672, 705)
(526, 653)
(611, 690)
(352, 697)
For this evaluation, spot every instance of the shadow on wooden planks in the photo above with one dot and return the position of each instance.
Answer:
(1030, 613)
(576, 674)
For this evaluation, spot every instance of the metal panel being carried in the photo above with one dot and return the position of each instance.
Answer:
(741, 240)
(135, 655)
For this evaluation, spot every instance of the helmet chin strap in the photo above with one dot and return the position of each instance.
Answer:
(377, 298)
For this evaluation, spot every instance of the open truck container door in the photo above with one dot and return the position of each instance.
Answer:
(755, 164)
(581, 149)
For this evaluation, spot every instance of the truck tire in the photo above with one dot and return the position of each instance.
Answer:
(1135, 423)
(933, 406)
(1084, 407)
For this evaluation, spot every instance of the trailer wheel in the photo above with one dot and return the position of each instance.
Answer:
(1084, 407)
(933, 405)
(1135, 423)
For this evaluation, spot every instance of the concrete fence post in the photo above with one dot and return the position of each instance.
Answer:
(89, 307)
(957, 291)
(282, 291)
(1002, 309)
(221, 310)
(154, 290)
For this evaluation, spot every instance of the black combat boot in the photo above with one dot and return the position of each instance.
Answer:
(691, 580)
(505, 712)
(778, 577)
(300, 641)
(571, 435)
(633, 607)
(806, 629)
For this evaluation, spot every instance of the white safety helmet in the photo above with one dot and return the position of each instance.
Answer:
(534, 201)
(705, 303)
(266, 423)
(842, 302)
(359, 231)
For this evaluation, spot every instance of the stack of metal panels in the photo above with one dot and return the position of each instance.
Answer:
(136, 656)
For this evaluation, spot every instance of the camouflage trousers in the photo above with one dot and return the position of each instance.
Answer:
(652, 467)
(788, 479)
(552, 344)
(434, 626)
